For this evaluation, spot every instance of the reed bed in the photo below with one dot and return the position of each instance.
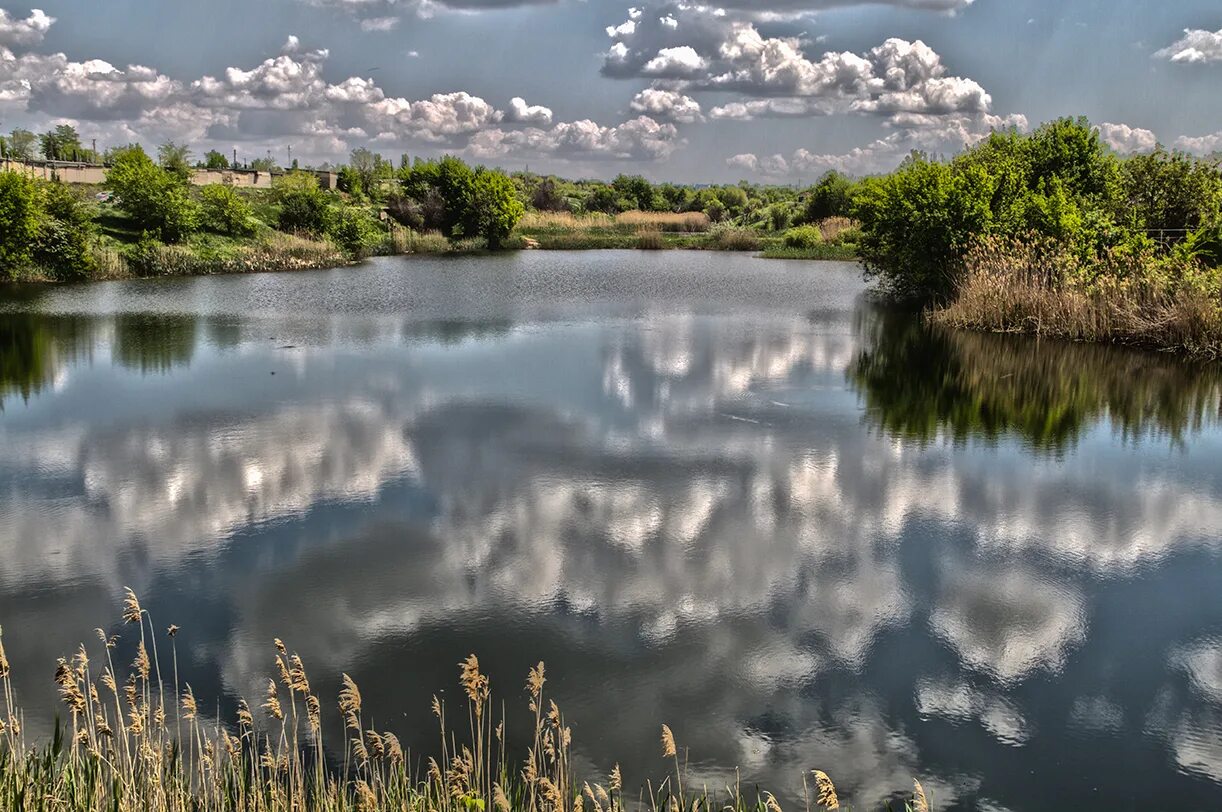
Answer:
(142, 743)
(1022, 287)
(629, 222)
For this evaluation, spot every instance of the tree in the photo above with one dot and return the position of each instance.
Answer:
(21, 144)
(832, 196)
(636, 189)
(61, 144)
(496, 208)
(368, 169)
(175, 158)
(1171, 194)
(303, 206)
(156, 199)
(215, 160)
(19, 218)
(224, 211)
(263, 165)
(62, 246)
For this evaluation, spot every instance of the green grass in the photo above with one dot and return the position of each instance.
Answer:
(824, 251)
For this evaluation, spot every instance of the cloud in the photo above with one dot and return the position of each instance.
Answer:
(1201, 144)
(667, 105)
(911, 132)
(1196, 46)
(368, 10)
(1127, 140)
(703, 49)
(29, 31)
(641, 138)
(521, 112)
(287, 98)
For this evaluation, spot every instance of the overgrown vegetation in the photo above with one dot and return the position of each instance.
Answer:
(1051, 233)
(145, 743)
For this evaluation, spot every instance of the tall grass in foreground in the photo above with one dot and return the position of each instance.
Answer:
(1135, 298)
(140, 744)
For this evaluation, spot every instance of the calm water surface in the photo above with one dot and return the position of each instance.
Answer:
(722, 493)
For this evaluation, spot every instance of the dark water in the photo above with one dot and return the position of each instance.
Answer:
(712, 491)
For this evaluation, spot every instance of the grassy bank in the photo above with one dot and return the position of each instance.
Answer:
(143, 742)
(1139, 299)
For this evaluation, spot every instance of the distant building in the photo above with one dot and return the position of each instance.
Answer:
(95, 174)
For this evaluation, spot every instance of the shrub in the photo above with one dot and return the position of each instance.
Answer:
(803, 237)
(354, 230)
(304, 208)
(63, 245)
(19, 220)
(156, 199)
(494, 208)
(224, 211)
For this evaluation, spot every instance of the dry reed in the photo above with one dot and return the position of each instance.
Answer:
(122, 753)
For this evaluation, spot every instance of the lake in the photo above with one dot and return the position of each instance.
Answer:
(730, 495)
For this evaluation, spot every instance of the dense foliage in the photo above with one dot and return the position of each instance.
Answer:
(46, 230)
(1059, 186)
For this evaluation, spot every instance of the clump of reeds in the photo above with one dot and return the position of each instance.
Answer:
(136, 743)
(427, 242)
(1025, 286)
(735, 239)
(650, 241)
(648, 221)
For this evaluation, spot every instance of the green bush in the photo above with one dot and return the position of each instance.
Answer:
(19, 220)
(63, 246)
(803, 237)
(304, 208)
(354, 230)
(156, 199)
(832, 196)
(224, 211)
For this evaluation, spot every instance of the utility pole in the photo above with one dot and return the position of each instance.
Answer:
(290, 155)
(94, 158)
(235, 158)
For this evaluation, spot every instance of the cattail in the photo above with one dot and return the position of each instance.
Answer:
(188, 703)
(535, 680)
(272, 704)
(919, 802)
(825, 791)
(668, 743)
(131, 606)
(616, 780)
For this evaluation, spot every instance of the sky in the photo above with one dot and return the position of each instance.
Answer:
(763, 90)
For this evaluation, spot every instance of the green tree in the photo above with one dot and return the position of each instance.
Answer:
(1171, 194)
(155, 199)
(175, 159)
(224, 211)
(496, 208)
(215, 160)
(62, 246)
(832, 196)
(353, 229)
(303, 206)
(61, 144)
(21, 144)
(20, 215)
(636, 189)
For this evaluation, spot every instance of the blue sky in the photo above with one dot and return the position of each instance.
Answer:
(777, 90)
